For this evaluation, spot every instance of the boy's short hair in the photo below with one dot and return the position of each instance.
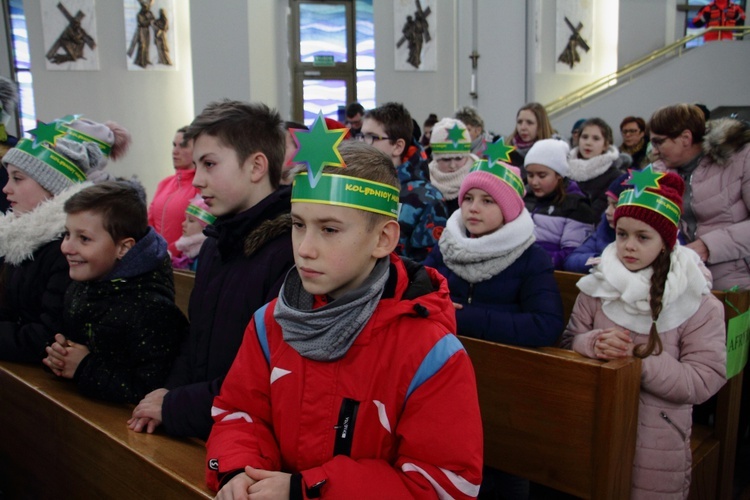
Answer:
(671, 121)
(120, 205)
(247, 128)
(354, 109)
(396, 121)
(366, 162)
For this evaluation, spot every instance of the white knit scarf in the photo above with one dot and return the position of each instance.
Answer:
(625, 294)
(582, 170)
(21, 235)
(479, 259)
(449, 183)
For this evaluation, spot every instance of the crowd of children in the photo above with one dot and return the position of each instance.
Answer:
(318, 253)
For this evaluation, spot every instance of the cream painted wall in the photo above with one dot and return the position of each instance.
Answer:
(150, 104)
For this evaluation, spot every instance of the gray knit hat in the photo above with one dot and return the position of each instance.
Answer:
(67, 151)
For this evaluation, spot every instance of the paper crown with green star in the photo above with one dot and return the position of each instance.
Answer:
(450, 136)
(318, 148)
(656, 199)
(65, 127)
(498, 151)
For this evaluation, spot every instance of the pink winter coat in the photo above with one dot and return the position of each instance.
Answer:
(167, 210)
(721, 202)
(691, 369)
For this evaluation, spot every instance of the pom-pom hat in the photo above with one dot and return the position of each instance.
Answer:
(656, 199)
(501, 181)
(67, 151)
(551, 153)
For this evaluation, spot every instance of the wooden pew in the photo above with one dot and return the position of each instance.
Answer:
(56, 443)
(713, 448)
(183, 286)
(557, 418)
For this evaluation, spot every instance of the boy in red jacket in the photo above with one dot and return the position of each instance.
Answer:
(351, 384)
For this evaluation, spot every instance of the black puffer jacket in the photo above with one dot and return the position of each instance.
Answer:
(130, 323)
(240, 268)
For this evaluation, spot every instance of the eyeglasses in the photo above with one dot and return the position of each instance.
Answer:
(449, 159)
(658, 141)
(370, 138)
(629, 131)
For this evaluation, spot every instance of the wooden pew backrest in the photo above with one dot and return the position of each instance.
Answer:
(55, 442)
(558, 418)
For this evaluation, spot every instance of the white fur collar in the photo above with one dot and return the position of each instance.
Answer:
(21, 236)
(583, 170)
(625, 294)
(479, 259)
(190, 246)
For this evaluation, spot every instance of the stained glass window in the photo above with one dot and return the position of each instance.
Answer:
(22, 62)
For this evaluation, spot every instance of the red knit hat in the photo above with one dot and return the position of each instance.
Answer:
(656, 199)
(502, 181)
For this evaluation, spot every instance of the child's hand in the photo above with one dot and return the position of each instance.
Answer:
(458, 306)
(239, 487)
(613, 343)
(147, 415)
(64, 356)
(269, 484)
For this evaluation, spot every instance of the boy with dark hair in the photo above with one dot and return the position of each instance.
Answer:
(354, 113)
(122, 329)
(351, 381)
(238, 151)
(423, 213)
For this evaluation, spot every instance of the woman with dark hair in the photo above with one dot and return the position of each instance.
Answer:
(634, 140)
(714, 161)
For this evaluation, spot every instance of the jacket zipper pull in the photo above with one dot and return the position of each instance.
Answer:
(669, 421)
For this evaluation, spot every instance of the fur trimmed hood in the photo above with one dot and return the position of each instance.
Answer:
(21, 236)
(268, 230)
(724, 137)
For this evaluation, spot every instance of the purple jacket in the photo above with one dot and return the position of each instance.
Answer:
(240, 268)
(690, 370)
(560, 228)
(592, 247)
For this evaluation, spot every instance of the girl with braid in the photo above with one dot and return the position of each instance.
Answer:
(650, 298)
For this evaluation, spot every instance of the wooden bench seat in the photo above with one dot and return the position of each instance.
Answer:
(56, 443)
(557, 418)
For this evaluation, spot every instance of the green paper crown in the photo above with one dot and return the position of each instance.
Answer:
(53, 159)
(639, 197)
(200, 214)
(347, 191)
(651, 201)
(51, 132)
(502, 172)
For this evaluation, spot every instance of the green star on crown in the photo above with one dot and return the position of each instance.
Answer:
(46, 132)
(498, 150)
(646, 178)
(456, 134)
(318, 147)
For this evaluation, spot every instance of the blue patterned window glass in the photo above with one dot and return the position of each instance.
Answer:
(22, 63)
(365, 31)
(322, 33)
(322, 96)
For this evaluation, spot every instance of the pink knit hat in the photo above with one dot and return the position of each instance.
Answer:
(500, 180)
